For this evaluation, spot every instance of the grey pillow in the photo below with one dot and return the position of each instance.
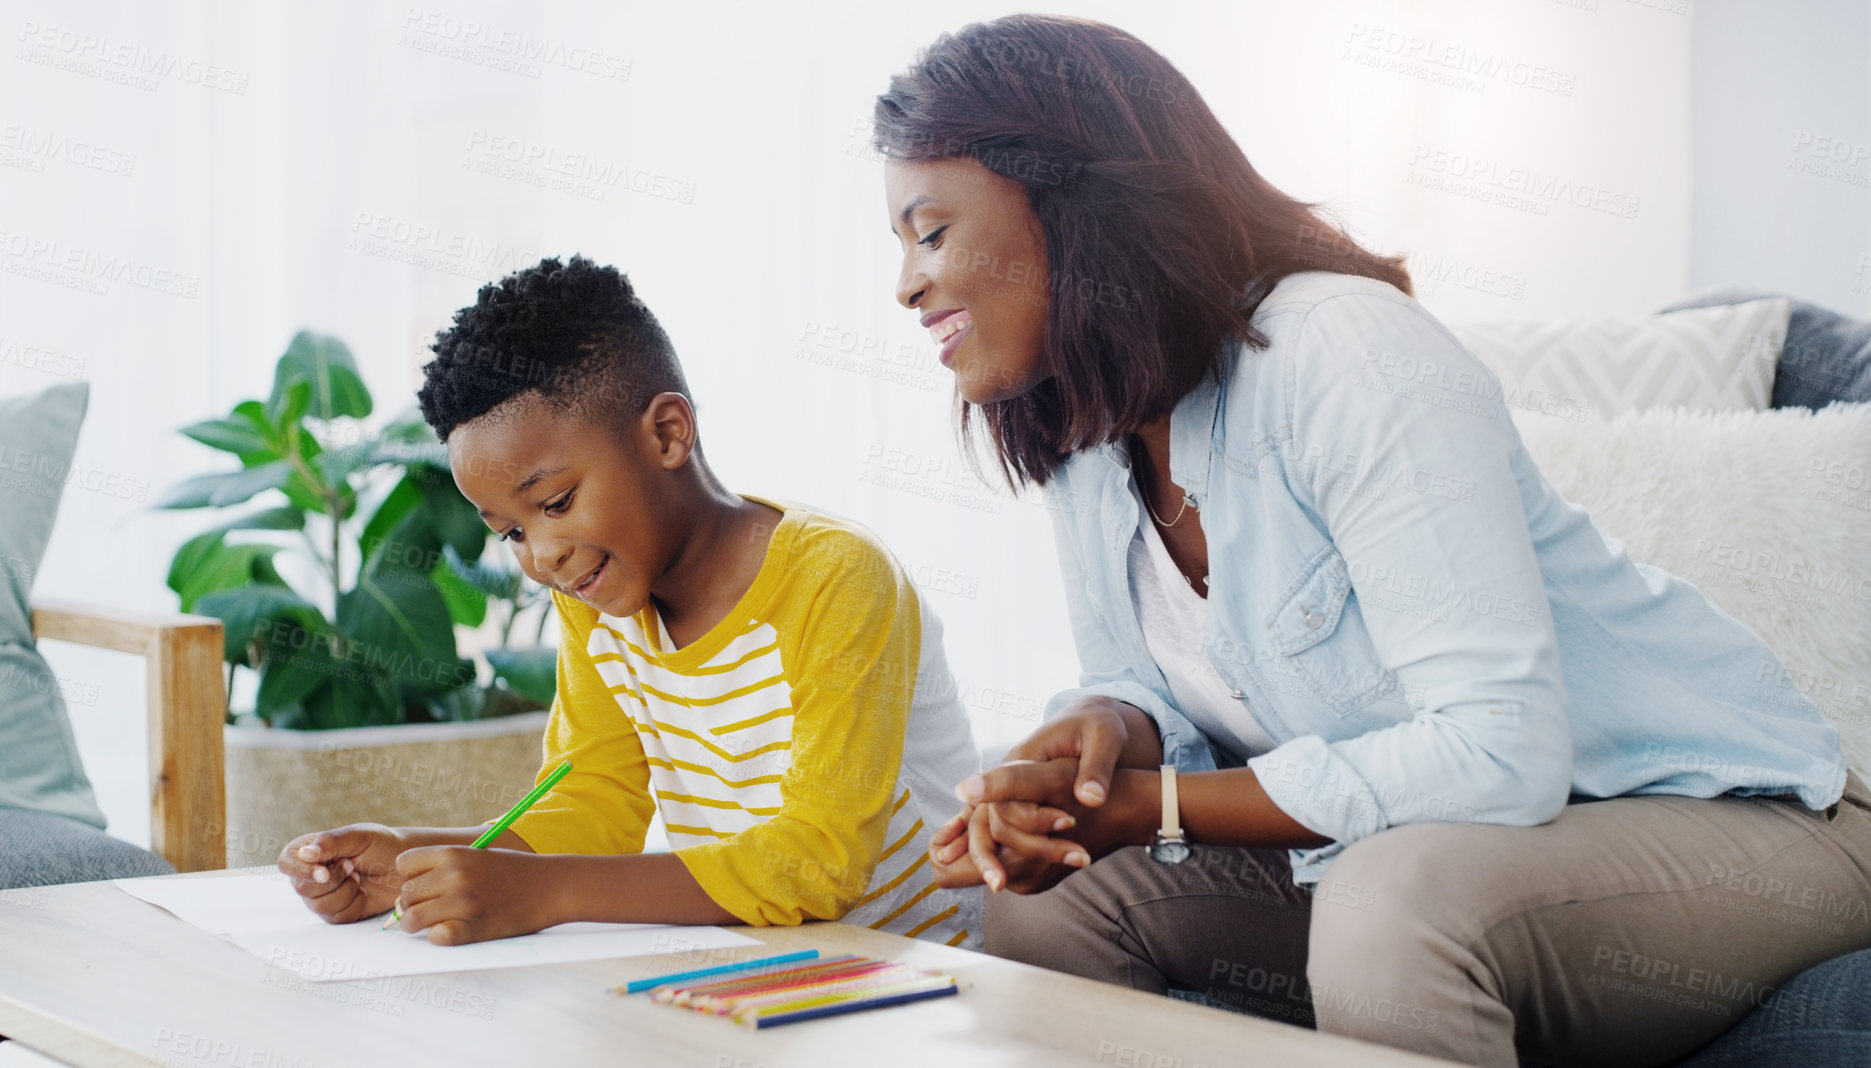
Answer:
(1827, 356)
(41, 850)
(39, 768)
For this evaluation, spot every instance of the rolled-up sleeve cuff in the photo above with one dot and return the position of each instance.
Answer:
(1309, 864)
(1320, 790)
(1188, 748)
(1184, 744)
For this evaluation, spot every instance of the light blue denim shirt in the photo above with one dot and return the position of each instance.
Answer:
(1424, 626)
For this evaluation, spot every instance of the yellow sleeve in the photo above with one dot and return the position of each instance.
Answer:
(603, 805)
(856, 646)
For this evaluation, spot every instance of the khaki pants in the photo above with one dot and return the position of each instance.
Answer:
(1630, 931)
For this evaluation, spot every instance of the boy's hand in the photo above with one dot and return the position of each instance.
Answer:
(347, 874)
(460, 894)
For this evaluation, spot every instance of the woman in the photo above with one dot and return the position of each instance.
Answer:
(1456, 774)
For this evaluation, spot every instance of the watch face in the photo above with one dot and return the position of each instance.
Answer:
(1169, 850)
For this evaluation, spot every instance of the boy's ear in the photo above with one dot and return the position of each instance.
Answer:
(670, 422)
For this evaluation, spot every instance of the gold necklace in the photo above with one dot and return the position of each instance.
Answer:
(1187, 503)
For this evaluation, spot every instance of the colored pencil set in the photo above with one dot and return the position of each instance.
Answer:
(796, 987)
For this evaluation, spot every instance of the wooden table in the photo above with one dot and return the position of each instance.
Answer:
(91, 976)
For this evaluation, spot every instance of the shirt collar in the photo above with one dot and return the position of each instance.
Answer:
(1191, 436)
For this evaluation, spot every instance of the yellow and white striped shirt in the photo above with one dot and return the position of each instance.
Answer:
(801, 752)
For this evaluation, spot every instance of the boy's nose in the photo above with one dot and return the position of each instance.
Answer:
(550, 558)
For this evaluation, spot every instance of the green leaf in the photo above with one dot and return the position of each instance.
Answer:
(195, 555)
(409, 440)
(457, 676)
(291, 717)
(395, 507)
(454, 518)
(339, 464)
(236, 435)
(328, 367)
(261, 614)
(206, 564)
(408, 426)
(467, 605)
(264, 571)
(413, 454)
(285, 687)
(281, 518)
(459, 705)
(244, 485)
(532, 672)
(354, 699)
(398, 617)
(298, 660)
(306, 488)
(189, 493)
(220, 490)
(254, 414)
(410, 544)
(484, 574)
(426, 492)
(292, 406)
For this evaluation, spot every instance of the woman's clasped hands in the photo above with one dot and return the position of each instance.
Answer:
(1059, 801)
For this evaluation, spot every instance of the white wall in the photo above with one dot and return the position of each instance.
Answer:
(1531, 156)
(1783, 149)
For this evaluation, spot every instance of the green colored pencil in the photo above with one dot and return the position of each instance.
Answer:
(395, 915)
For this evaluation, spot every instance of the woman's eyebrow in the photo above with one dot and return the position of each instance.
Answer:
(915, 202)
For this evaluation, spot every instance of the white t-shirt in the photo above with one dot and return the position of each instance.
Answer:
(1174, 619)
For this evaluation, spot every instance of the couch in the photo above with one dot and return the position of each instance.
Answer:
(1727, 440)
(51, 830)
(1821, 1017)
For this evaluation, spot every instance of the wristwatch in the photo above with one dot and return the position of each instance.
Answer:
(1169, 846)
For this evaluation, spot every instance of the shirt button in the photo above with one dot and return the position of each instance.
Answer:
(1314, 619)
(1236, 694)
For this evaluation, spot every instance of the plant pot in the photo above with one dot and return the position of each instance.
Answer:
(284, 783)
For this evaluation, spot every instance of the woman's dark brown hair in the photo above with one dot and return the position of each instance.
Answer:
(1161, 239)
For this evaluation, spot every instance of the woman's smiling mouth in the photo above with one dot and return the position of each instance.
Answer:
(948, 332)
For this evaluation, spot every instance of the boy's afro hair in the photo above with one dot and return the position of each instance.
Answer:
(575, 333)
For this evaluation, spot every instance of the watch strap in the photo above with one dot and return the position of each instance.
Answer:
(1172, 812)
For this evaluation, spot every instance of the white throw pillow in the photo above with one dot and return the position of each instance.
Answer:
(1708, 359)
(1767, 513)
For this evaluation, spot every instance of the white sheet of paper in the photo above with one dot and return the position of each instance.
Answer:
(258, 912)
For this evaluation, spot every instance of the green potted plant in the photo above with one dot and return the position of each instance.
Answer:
(342, 583)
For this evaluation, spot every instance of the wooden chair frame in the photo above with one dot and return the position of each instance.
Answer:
(187, 707)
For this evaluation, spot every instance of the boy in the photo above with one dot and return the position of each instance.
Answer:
(764, 673)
